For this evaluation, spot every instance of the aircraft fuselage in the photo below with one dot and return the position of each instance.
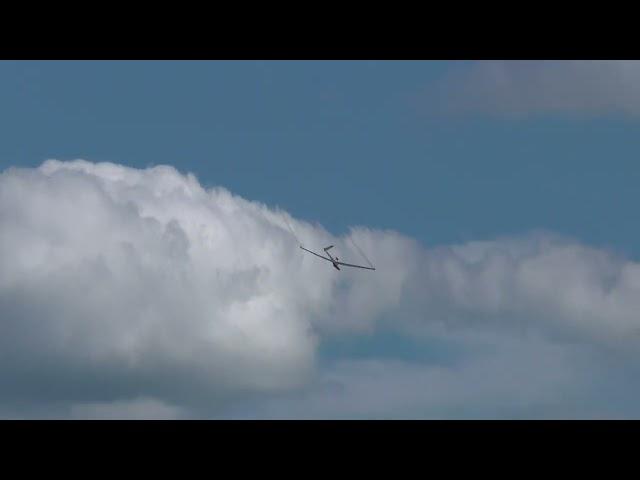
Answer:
(333, 260)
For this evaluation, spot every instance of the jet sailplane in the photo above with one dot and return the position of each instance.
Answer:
(335, 260)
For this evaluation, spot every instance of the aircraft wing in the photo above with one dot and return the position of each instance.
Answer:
(317, 255)
(357, 266)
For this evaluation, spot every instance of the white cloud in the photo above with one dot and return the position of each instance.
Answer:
(534, 87)
(137, 292)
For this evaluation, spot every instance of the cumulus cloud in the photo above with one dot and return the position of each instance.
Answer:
(128, 293)
(515, 378)
(521, 379)
(534, 87)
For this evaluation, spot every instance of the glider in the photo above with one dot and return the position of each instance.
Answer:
(335, 260)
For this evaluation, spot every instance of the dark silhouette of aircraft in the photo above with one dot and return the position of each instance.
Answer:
(335, 260)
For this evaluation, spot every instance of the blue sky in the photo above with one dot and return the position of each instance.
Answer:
(440, 153)
(342, 143)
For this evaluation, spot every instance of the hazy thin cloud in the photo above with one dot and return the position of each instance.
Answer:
(519, 88)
